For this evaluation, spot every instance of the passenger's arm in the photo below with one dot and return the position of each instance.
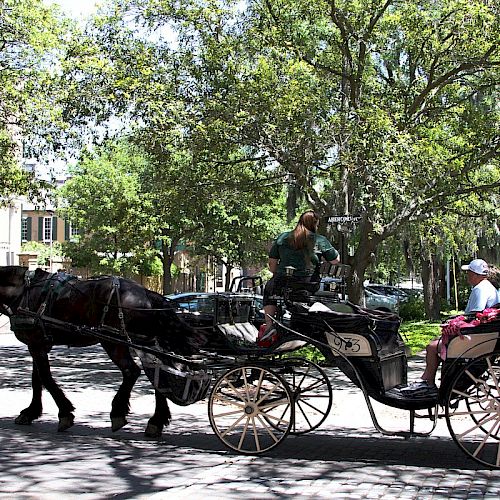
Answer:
(476, 301)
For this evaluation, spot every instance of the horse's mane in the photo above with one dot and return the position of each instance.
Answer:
(40, 274)
(12, 274)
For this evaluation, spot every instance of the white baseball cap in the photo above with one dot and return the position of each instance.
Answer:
(478, 266)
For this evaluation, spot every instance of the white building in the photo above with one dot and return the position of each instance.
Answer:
(10, 233)
(11, 215)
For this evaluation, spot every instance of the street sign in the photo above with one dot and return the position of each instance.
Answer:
(343, 219)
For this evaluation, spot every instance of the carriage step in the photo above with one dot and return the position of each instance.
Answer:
(407, 400)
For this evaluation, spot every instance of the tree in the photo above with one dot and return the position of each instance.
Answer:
(30, 33)
(239, 227)
(371, 108)
(402, 135)
(102, 199)
(163, 94)
(382, 109)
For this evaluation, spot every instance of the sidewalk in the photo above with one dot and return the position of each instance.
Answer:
(4, 324)
(344, 458)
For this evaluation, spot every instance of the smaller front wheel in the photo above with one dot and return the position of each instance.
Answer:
(251, 409)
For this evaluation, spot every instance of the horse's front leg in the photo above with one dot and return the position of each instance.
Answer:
(161, 417)
(120, 407)
(42, 365)
(34, 410)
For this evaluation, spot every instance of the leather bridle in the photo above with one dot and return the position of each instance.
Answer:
(7, 308)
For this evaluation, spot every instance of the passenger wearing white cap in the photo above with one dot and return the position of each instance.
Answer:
(483, 293)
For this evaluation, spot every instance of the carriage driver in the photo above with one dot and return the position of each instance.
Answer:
(302, 249)
(483, 295)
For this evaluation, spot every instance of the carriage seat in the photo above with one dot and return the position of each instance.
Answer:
(240, 334)
(475, 341)
(243, 336)
(366, 332)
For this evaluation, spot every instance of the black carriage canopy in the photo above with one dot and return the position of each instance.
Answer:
(314, 321)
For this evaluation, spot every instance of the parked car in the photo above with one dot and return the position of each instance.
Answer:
(388, 290)
(201, 307)
(380, 302)
(371, 299)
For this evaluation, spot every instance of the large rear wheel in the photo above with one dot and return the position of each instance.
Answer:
(251, 409)
(473, 409)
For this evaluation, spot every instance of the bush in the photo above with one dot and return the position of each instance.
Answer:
(309, 352)
(413, 309)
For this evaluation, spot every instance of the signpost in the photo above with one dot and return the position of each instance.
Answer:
(344, 225)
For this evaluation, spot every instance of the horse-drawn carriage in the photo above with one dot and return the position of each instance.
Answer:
(258, 393)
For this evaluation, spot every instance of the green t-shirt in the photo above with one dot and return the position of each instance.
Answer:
(304, 264)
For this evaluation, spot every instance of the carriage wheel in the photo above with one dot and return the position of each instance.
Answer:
(473, 409)
(242, 405)
(312, 394)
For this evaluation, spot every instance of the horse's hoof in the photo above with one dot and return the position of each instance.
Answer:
(23, 420)
(153, 431)
(117, 423)
(65, 423)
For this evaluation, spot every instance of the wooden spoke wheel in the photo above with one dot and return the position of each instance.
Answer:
(251, 409)
(312, 394)
(473, 409)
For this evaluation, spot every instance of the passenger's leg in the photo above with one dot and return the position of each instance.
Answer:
(432, 362)
(270, 312)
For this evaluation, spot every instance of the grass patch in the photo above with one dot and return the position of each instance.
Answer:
(416, 335)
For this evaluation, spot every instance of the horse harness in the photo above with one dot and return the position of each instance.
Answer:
(26, 319)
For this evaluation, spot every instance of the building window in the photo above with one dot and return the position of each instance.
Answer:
(73, 232)
(47, 229)
(24, 229)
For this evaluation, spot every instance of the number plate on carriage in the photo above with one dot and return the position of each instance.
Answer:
(349, 344)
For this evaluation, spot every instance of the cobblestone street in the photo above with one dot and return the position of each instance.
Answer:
(344, 458)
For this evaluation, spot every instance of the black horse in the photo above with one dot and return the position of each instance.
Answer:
(57, 309)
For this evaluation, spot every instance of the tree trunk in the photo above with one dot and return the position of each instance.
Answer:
(227, 277)
(167, 259)
(431, 274)
(359, 263)
(292, 196)
(355, 281)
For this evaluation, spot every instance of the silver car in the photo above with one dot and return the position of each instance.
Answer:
(380, 302)
(370, 299)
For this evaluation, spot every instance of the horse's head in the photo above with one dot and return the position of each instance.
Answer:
(11, 287)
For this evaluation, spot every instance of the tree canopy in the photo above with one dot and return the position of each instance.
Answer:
(103, 201)
(378, 108)
(30, 35)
